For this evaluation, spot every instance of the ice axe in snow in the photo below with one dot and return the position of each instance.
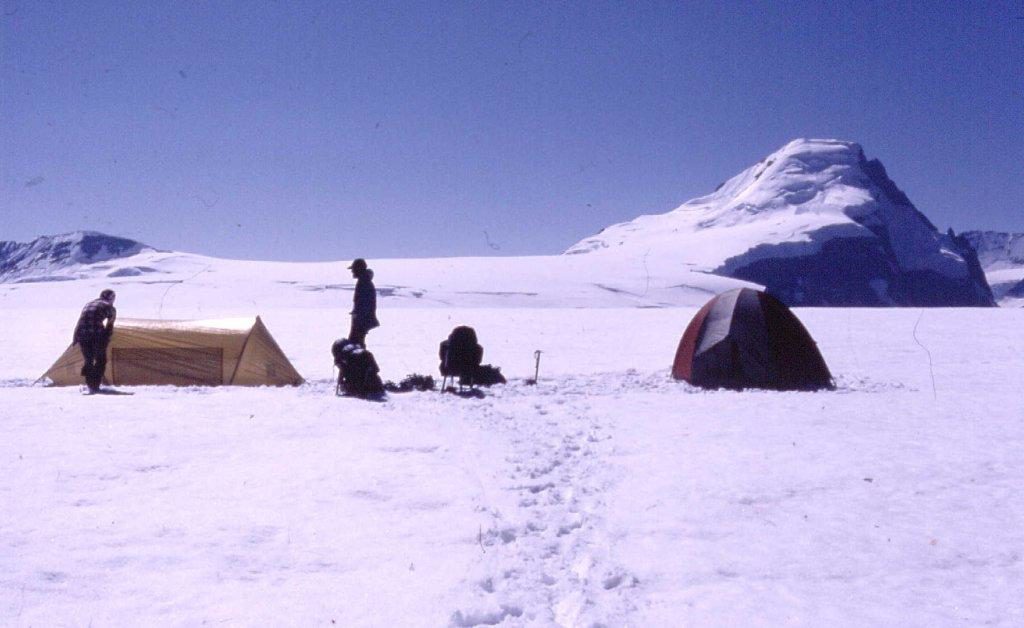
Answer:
(536, 368)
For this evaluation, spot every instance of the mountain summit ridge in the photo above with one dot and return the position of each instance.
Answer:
(45, 254)
(817, 223)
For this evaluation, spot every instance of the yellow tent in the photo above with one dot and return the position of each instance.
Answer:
(234, 351)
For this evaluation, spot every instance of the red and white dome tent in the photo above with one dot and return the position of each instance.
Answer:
(744, 338)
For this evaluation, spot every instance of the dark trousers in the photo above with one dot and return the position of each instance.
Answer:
(94, 351)
(357, 334)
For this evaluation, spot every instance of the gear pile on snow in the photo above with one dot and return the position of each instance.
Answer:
(412, 382)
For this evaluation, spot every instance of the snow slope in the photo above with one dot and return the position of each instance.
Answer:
(606, 495)
(152, 279)
(1002, 257)
(817, 223)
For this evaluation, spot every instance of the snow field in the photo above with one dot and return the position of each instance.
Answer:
(895, 512)
(606, 495)
(231, 508)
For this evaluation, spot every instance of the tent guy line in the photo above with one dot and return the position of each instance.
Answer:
(931, 367)
(160, 310)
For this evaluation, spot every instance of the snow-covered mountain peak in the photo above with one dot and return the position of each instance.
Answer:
(810, 182)
(816, 222)
(46, 254)
(791, 177)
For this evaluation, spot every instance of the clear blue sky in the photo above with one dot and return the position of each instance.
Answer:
(326, 130)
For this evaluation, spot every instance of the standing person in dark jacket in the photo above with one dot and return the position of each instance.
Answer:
(92, 335)
(364, 303)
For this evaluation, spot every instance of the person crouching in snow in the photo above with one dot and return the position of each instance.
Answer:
(92, 335)
(364, 303)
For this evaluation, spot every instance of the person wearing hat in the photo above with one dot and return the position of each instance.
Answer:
(92, 335)
(364, 303)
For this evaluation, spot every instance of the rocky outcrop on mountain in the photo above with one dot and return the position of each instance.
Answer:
(817, 224)
(48, 257)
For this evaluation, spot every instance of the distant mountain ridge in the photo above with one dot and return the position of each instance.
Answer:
(1001, 255)
(41, 257)
(997, 249)
(817, 224)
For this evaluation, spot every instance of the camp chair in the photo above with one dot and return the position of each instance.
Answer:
(460, 356)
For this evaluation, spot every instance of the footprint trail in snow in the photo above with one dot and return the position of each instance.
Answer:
(550, 559)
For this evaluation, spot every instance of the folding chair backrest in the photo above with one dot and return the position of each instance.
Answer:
(460, 354)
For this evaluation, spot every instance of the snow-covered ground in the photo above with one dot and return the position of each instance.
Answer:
(160, 282)
(605, 495)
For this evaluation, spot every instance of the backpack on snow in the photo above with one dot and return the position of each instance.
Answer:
(488, 375)
(460, 356)
(358, 373)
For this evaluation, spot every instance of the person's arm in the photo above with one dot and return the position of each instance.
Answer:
(110, 320)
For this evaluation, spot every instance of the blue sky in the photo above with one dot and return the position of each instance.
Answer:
(327, 130)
